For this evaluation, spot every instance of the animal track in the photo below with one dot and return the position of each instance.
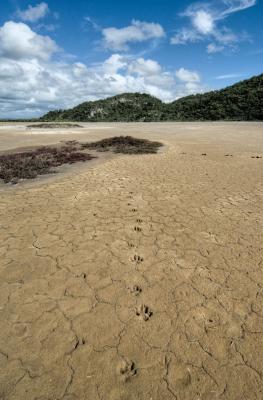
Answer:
(256, 156)
(139, 220)
(228, 155)
(143, 312)
(137, 258)
(131, 245)
(135, 289)
(126, 369)
(203, 154)
(134, 210)
(137, 229)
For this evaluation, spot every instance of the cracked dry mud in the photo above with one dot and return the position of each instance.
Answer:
(74, 269)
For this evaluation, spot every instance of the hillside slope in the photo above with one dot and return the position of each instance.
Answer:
(123, 107)
(241, 102)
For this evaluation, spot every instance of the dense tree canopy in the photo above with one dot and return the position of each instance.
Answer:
(241, 102)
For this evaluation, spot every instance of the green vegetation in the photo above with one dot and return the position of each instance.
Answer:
(124, 107)
(240, 102)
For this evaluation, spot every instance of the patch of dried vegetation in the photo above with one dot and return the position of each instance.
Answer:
(30, 164)
(40, 161)
(124, 145)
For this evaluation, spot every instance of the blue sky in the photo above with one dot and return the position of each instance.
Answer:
(58, 53)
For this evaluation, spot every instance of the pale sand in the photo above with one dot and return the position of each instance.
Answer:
(185, 228)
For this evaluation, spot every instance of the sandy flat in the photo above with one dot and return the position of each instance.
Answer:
(139, 278)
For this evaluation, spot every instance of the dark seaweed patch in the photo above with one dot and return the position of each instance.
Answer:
(53, 125)
(124, 145)
(30, 164)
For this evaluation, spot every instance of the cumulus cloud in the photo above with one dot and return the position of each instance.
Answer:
(33, 14)
(18, 41)
(32, 82)
(205, 24)
(186, 75)
(79, 70)
(192, 88)
(114, 63)
(145, 67)
(139, 31)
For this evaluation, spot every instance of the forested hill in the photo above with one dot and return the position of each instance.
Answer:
(123, 107)
(241, 102)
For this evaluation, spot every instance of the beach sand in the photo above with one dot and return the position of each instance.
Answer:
(139, 277)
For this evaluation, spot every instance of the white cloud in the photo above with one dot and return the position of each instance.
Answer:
(114, 63)
(214, 48)
(205, 20)
(186, 75)
(228, 76)
(226, 36)
(33, 14)
(32, 82)
(139, 31)
(18, 41)
(79, 70)
(236, 5)
(145, 67)
(192, 88)
(185, 35)
(9, 69)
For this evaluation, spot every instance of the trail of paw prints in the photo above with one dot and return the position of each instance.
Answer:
(142, 311)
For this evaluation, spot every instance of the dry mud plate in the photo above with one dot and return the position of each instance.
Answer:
(140, 278)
